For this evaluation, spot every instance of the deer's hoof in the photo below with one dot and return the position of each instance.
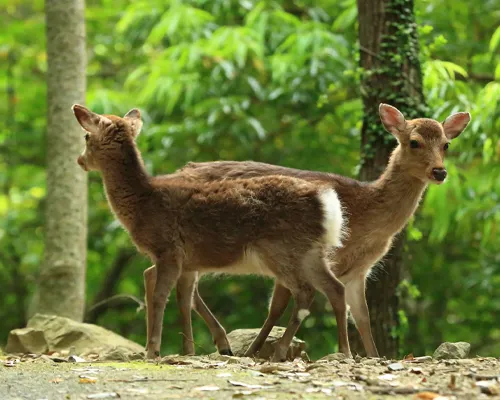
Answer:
(226, 352)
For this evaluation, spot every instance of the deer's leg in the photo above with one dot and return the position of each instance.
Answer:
(356, 298)
(303, 296)
(216, 329)
(149, 287)
(168, 270)
(185, 289)
(334, 290)
(279, 301)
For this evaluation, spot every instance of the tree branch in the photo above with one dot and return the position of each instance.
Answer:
(103, 305)
(109, 285)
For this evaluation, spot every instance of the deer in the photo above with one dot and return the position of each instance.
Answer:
(375, 211)
(275, 226)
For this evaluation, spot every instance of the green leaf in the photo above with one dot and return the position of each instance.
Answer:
(345, 19)
(495, 40)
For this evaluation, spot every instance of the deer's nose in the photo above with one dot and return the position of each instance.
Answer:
(439, 174)
(81, 162)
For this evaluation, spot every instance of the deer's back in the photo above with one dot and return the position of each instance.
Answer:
(218, 224)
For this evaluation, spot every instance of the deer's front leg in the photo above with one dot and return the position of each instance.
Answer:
(356, 299)
(168, 270)
(149, 287)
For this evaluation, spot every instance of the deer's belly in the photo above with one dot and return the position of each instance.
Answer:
(249, 262)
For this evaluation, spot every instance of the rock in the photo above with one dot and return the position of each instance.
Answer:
(447, 351)
(395, 367)
(240, 340)
(58, 334)
(118, 353)
(333, 357)
(26, 340)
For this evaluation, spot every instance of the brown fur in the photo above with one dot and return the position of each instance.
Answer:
(376, 211)
(271, 225)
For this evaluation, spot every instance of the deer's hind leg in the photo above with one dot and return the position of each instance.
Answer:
(325, 281)
(279, 301)
(216, 329)
(303, 295)
(184, 291)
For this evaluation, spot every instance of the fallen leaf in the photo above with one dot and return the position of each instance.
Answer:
(56, 380)
(88, 380)
(87, 370)
(416, 370)
(208, 388)
(426, 395)
(419, 359)
(247, 385)
(243, 393)
(108, 395)
(453, 382)
(11, 363)
(409, 357)
(76, 359)
(58, 359)
(387, 377)
(489, 387)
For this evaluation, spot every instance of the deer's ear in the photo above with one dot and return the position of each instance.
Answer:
(455, 124)
(392, 119)
(133, 117)
(89, 121)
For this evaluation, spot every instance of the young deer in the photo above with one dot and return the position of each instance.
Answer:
(376, 211)
(275, 225)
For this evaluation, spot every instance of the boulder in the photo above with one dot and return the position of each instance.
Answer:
(240, 340)
(55, 334)
(26, 340)
(447, 350)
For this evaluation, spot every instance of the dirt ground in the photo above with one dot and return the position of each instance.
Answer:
(223, 377)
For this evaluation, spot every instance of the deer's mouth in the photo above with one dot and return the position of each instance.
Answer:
(81, 163)
(436, 181)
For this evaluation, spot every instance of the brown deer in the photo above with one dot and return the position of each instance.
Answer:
(376, 211)
(274, 226)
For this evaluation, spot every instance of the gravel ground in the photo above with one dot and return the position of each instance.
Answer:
(222, 377)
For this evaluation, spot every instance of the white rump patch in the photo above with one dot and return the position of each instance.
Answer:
(333, 219)
(302, 314)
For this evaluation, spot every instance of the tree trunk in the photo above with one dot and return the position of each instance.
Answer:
(61, 285)
(391, 74)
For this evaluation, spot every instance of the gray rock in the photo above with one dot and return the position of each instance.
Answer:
(51, 333)
(447, 351)
(26, 340)
(396, 367)
(333, 357)
(240, 340)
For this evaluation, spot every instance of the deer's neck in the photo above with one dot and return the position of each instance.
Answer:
(396, 195)
(127, 183)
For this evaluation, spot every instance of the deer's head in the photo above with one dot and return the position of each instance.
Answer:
(423, 142)
(105, 135)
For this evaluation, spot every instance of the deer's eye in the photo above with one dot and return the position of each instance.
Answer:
(446, 146)
(414, 144)
(87, 136)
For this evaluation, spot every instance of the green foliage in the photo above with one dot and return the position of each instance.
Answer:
(271, 81)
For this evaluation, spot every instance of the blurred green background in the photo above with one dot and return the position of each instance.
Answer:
(274, 81)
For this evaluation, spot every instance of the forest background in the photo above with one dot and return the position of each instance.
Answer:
(270, 81)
